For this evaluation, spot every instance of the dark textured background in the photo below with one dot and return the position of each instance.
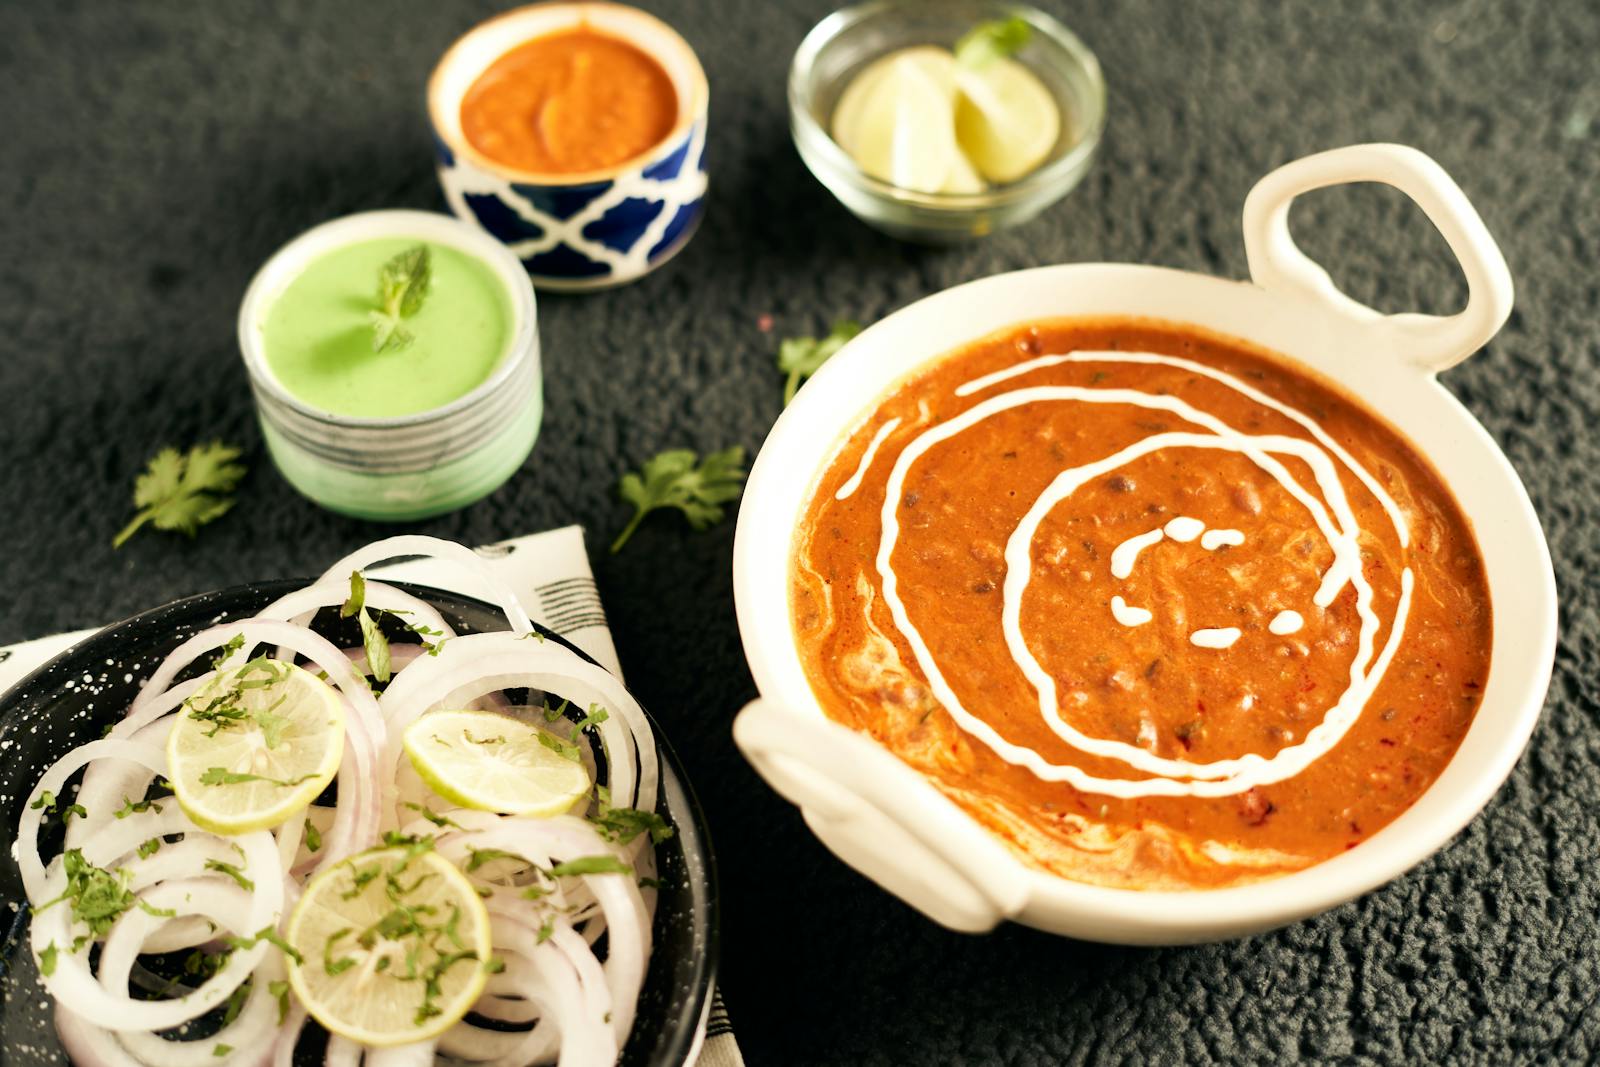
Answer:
(153, 157)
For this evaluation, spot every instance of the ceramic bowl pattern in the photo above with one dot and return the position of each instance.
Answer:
(886, 820)
(577, 231)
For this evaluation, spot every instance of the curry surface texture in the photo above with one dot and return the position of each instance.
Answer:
(1184, 648)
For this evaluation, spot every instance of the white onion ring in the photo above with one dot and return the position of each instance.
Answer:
(289, 1035)
(73, 982)
(407, 545)
(475, 664)
(553, 979)
(628, 927)
(250, 1032)
(300, 606)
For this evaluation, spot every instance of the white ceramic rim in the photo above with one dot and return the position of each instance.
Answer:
(486, 42)
(287, 263)
(1388, 361)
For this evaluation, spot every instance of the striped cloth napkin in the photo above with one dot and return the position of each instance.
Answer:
(550, 573)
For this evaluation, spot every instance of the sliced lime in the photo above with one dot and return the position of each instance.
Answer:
(254, 746)
(394, 947)
(1006, 121)
(894, 119)
(491, 762)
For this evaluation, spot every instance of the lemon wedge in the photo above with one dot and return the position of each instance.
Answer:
(491, 762)
(895, 119)
(254, 746)
(1006, 121)
(393, 946)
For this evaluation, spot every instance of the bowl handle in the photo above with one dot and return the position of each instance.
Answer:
(883, 818)
(1432, 342)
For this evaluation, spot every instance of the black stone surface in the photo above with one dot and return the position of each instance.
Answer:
(151, 157)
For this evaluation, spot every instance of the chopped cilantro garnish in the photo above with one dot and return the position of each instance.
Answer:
(129, 807)
(564, 749)
(596, 716)
(271, 937)
(47, 960)
(343, 963)
(433, 816)
(477, 857)
(280, 990)
(236, 1001)
(97, 896)
(232, 645)
(601, 864)
(232, 872)
(272, 724)
(313, 837)
(625, 824)
(373, 642)
(223, 776)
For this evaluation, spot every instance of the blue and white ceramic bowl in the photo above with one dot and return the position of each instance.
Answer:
(577, 231)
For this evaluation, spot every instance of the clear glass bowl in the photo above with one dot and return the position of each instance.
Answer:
(839, 46)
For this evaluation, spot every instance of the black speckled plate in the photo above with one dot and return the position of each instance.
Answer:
(71, 699)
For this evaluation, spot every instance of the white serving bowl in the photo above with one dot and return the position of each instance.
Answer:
(892, 825)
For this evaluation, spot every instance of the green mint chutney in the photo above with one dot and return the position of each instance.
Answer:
(318, 335)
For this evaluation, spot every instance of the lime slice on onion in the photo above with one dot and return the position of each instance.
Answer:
(394, 946)
(1006, 121)
(491, 762)
(894, 119)
(254, 746)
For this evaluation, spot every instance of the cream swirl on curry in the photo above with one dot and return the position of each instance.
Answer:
(1152, 605)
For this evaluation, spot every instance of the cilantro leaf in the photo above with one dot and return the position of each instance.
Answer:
(989, 41)
(272, 725)
(223, 776)
(47, 960)
(358, 596)
(280, 990)
(375, 645)
(675, 479)
(625, 824)
(373, 642)
(271, 937)
(232, 872)
(184, 492)
(801, 357)
(601, 864)
(402, 286)
(564, 749)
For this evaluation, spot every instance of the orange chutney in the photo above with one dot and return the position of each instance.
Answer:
(569, 102)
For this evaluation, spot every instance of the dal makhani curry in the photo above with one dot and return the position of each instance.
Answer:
(1158, 609)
